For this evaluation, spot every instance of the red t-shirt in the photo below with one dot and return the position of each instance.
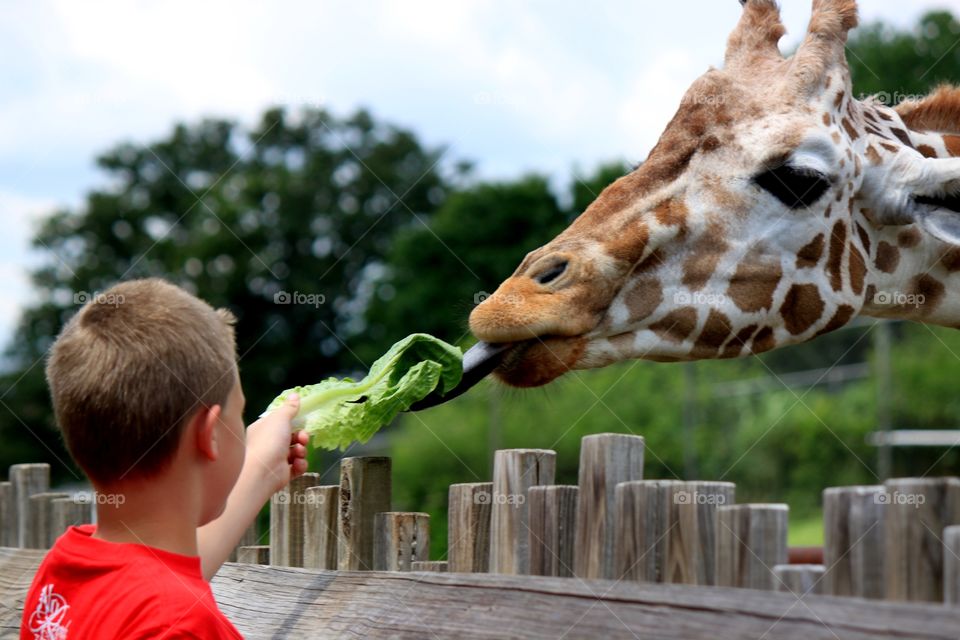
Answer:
(91, 588)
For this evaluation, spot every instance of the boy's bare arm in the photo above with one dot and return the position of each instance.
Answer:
(274, 456)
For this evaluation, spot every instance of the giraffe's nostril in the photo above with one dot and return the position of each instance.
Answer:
(552, 273)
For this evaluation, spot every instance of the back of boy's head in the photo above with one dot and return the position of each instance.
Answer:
(128, 371)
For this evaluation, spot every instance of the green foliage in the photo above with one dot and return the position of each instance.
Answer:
(286, 224)
(897, 64)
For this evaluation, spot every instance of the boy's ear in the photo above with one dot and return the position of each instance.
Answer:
(205, 427)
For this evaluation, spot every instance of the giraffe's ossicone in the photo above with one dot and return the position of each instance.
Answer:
(776, 207)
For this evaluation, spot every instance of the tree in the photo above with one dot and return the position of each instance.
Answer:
(284, 224)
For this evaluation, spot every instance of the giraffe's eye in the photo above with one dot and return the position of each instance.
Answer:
(796, 188)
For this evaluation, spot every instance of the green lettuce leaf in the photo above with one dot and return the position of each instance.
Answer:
(338, 412)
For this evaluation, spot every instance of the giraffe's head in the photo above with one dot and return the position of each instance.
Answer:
(752, 224)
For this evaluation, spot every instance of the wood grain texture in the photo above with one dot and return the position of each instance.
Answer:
(9, 530)
(642, 511)
(365, 490)
(799, 579)
(853, 552)
(26, 479)
(917, 512)
(254, 554)
(41, 534)
(400, 538)
(606, 459)
(553, 519)
(320, 527)
(436, 566)
(514, 472)
(752, 540)
(468, 527)
(273, 602)
(692, 540)
(951, 565)
(67, 512)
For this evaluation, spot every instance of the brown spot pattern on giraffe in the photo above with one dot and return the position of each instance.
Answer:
(704, 256)
(676, 325)
(864, 238)
(840, 318)
(802, 308)
(927, 151)
(929, 291)
(951, 260)
(908, 238)
(953, 145)
(873, 156)
(888, 257)
(852, 132)
(858, 269)
(809, 256)
(838, 241)
(754, 283)
(715, 332)
(763, 341)
(737, 343)
(643, 298)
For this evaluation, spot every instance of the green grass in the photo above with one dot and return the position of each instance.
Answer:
(806, 532)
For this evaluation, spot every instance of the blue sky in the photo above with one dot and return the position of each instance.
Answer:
(515, 86)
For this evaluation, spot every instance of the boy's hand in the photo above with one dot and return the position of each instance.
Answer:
(273, 451)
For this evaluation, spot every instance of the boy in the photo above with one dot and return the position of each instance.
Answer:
(146, 392)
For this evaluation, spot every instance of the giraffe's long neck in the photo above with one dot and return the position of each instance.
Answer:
(914, 276)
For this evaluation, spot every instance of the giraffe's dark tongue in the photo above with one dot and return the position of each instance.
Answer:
(479, 361)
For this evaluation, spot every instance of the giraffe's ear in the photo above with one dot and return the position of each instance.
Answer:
(920, 191)
(757, 34)
(825, 44)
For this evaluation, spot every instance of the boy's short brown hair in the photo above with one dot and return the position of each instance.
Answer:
(129, 369)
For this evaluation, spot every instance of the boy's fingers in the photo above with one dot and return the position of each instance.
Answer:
(290, 407)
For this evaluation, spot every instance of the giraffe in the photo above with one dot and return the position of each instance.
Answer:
(776, 207)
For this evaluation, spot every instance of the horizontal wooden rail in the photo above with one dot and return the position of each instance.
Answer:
(282, 602)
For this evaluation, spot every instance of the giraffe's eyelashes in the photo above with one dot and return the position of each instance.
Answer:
(796, 188)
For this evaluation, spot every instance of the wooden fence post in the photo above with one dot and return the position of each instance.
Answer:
(400, 538)
(8, 522)
(468, 527)
(40, 533)
(752, 541)
(251, 536)
(70, 511)
(254, 554)
(26, 479)
(365, 490)
(287, 520)
(606, 459)
(514, 472)
(553, 518)
(799, 579)
(853, 553)
(322, 504)
(917, 512)
(641, 541)
(951, 565)
(692, 531)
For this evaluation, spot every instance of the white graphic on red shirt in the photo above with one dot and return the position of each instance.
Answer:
(46, 621)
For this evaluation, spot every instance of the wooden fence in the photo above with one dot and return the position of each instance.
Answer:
(609, 539)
